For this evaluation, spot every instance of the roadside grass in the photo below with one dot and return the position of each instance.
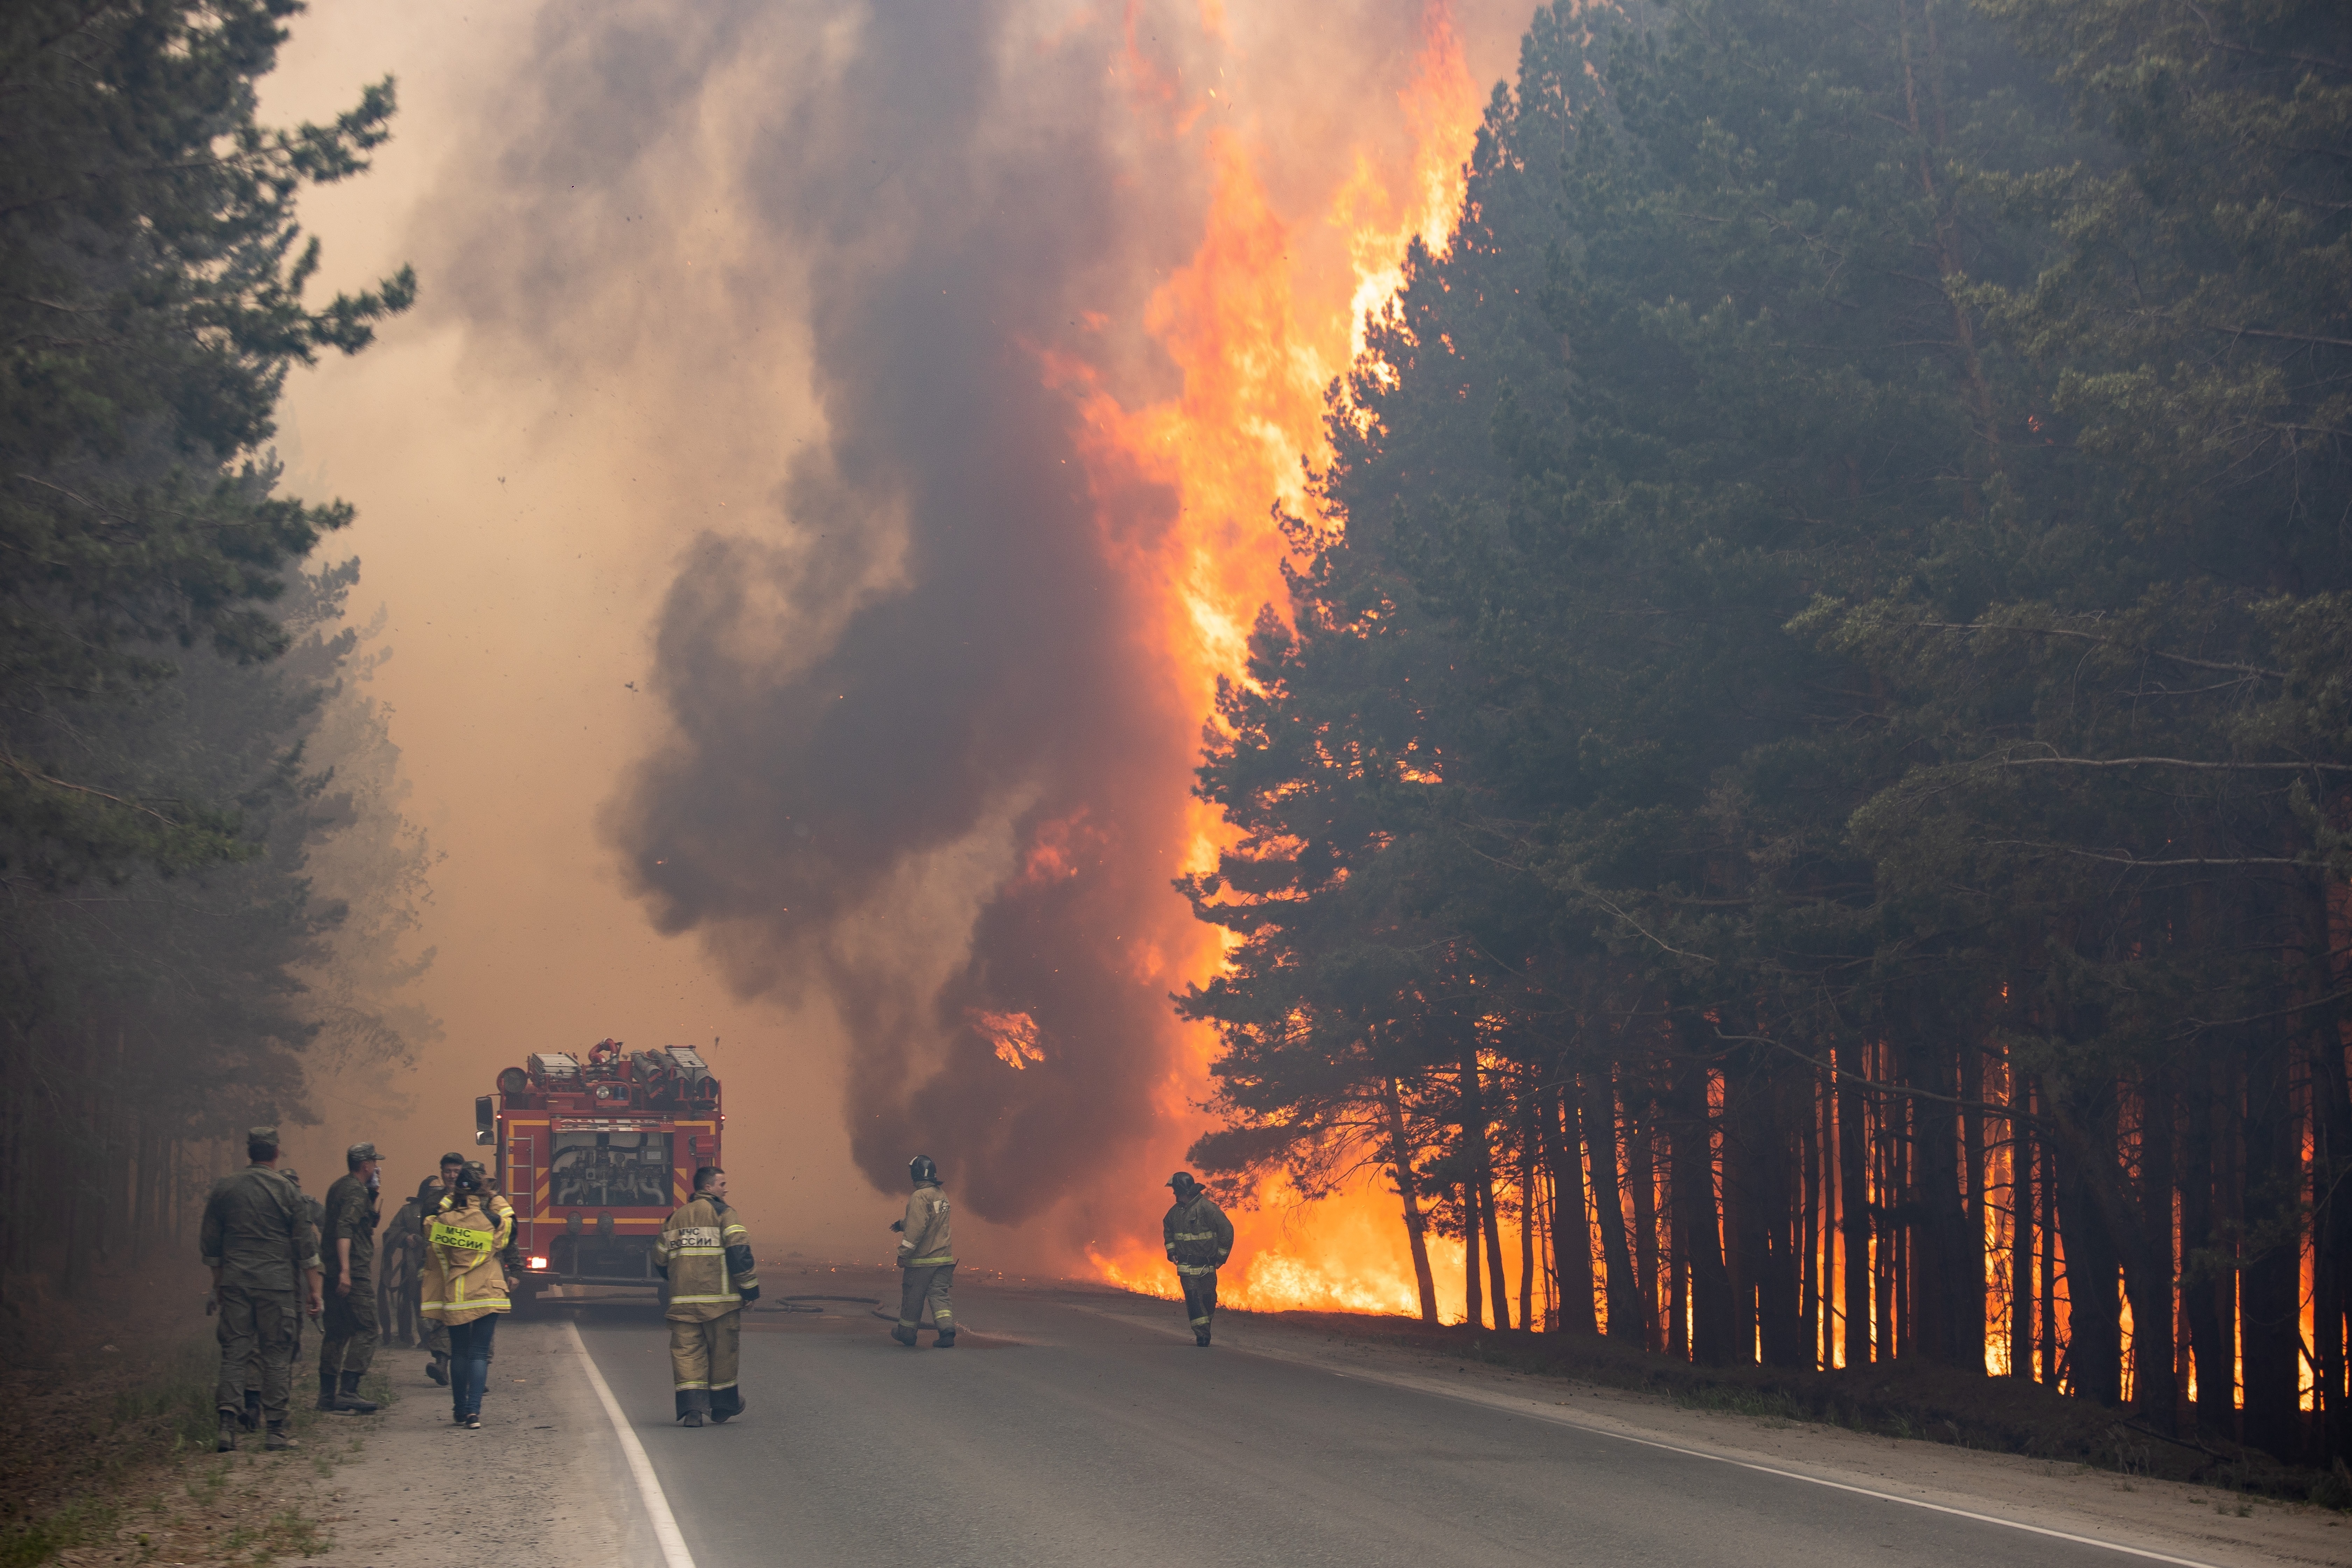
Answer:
(135, 1468)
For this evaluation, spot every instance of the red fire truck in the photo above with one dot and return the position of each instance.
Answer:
(595, 1153)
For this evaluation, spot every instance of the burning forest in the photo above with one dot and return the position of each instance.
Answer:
(1695, 700)
(1775, 777)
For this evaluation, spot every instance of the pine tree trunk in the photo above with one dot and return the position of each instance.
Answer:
(1482, 1155)
(2204, 1290)
(1641, 1169)
(1617, 1265)
(2095, 1310)
(1571, 1243)
(1698, 1243)
(2148, 1272)
(1415, 1231)
(2269, 1288)
(1854, 1202)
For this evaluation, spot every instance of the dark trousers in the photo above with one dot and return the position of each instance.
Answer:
(1200, 1298)
(350, 1342)
(256, 1343)
(928, 1293)
(469, 1363)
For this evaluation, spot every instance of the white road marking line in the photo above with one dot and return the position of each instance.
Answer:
(649, 1490)
(1503, 1403)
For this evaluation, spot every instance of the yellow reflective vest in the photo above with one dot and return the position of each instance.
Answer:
(463, 1279)
(709, 1254)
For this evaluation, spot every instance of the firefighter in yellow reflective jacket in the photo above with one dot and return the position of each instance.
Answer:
(927, 1288)
(706, 1255)
(466, 1288)
(1199, 1238)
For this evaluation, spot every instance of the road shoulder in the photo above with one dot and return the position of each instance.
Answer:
(542, 1480)
(2200, 1524)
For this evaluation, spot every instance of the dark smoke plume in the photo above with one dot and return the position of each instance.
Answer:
(923, 691)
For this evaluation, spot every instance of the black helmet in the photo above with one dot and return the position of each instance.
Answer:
(470, 1181)
(1183, 1182)
(926, 1172)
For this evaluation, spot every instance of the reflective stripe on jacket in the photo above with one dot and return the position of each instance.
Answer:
(709, 1254)
(1198, 1236)
(463, 1279)
(926, 1244)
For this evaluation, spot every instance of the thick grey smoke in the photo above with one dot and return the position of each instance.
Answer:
(927, 762)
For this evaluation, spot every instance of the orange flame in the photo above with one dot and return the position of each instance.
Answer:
(1014, 1036)
(1257, 335)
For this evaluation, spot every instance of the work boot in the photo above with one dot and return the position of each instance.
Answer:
(720, 1418)
(691, 1418)
(251, 1417)
(347, 1396)
(946, 1339)
(904, 1335)
(327, 1393)
(1201, 1337)
(228, 1424)
(279, 1438)
(437, 1369)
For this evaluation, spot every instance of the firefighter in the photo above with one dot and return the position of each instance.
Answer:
(1199, 1238)
(705, 1254)
(926, 1289)
(262, 1249)
(431, 1193)
(347, 1247)
(464, 1290)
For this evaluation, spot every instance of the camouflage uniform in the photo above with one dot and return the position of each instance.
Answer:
(349, 1343)
(258, 1234)
(926, 1255)
(706, 1255)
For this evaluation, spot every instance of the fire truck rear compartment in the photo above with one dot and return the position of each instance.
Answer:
(603, 1260)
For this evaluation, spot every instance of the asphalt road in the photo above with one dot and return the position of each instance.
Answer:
(1063, 1429)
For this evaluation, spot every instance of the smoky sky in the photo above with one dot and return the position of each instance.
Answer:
(923, 634)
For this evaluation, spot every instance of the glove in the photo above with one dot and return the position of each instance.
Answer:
(750, 1294)
(899, 1226)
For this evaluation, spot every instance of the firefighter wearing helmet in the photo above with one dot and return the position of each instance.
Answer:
(927, 1286)
(1199, 1238)
(705, 1254)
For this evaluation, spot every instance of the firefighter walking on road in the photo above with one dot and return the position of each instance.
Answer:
(347, 1248)
(705, 1254)
(465, 1289)
(1199, 1238)
(927, 1288)
(262, 1249)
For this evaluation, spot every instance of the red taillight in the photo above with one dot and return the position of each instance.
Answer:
(539, 1263)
